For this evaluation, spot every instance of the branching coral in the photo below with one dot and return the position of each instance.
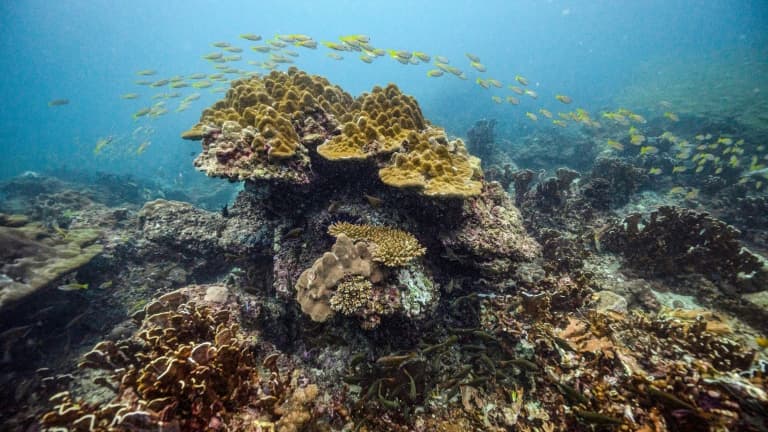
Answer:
(389, 246)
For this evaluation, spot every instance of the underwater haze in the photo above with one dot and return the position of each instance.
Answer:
(364, 216)
(89, 52)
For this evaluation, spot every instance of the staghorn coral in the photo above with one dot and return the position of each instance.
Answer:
(389, 246)
(189, 367)
(32, 257)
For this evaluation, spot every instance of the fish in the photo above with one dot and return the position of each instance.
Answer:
(213, 56)
(202, 84)
(58, 102)
(672, 116)
(355, 38)
(290, 53)
(142, 82)
(366, 58)
(374, 201)
(101, 143)
(531, 116)
(679, 169)
(692, 194)
(531, 93)
(335, 56)
(146, 72)
(442, 59)
(473, 58)
(478, 66)
(482, 83)
(180, 84)
(74, 286)
(400, 54)
(221, 44)
(677, 190)
(160, 83)
(637, 118)
(251, 37)
(232, 58)
(336, 46)
(560, 123)
(513, 100)
(142, 147)
(497, 99)
(105, 285)
(724, 140)
(233, 49)
(516, 89)
(545, 112)
(615, 145)
(521, 79)
(311, 44)
(293, 233)
(261, 48)
(434, 73)
(130, 96)
(654, 171)
(762, 342)
(636, 139)
(422, 56)
(648, 150)
(277, 43)
(494, 82)
(141, 113)
(197, 76)
(563, 98)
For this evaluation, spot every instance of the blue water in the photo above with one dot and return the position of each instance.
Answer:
(89, 50)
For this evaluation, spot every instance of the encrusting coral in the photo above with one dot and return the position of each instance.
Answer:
(32, 256)
(269, 128)
(389, 246)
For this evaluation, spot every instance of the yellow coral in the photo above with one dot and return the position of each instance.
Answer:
(377, 123)
(435, 167)
(390, 246)
(352, 294)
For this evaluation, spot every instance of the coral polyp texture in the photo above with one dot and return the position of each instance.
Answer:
(390, 246)
(351, 281)
(275, 127)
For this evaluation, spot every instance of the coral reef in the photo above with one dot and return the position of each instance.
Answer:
(270, 128)
(674, 240)
(490, 236)
(389, 246)
(189, 367)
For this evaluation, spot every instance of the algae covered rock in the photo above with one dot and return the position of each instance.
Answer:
(32, 257)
